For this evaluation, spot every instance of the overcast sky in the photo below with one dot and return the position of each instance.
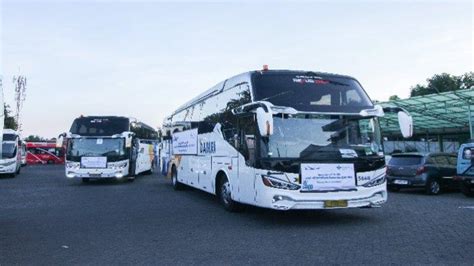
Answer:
(145, 59)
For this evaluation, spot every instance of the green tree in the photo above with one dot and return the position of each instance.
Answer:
(467, 80)
(34, 138)
(442, 83)
(10, 121)
(393, 98)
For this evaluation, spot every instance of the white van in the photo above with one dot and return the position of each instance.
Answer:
(10, 162)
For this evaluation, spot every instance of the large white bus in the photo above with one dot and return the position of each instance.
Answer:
(282, 139)
(108, 147)
(10, 162)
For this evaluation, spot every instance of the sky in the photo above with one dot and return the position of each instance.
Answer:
(145, 59)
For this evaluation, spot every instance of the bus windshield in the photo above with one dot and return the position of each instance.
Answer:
(311, 92)
(99, 126)
(324, 137)
(110, 147)
(8, 150)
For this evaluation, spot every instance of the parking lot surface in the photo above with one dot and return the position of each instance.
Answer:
(48, 219)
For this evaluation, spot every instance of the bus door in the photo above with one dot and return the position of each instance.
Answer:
(247, 158)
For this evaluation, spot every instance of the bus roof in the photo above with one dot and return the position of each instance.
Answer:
(247, 76)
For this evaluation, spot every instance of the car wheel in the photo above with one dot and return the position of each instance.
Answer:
(392, 188)
(225, 196)
(174, 180)
(467, 190)
(433, 187)
(85, 180)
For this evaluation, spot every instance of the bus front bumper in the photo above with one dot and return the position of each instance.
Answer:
(296, 200)
(98, 173)
(10, 169)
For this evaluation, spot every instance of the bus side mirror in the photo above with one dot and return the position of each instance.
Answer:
(60, 141)
(128, 141)
(405, 122)
(264, 122)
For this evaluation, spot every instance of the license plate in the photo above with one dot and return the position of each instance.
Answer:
(94, 175)
(335, 203)
(401, 182)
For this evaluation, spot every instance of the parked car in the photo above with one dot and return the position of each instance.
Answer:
(431, 171)
(465, 169)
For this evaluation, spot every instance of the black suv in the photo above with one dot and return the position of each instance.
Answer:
(431, 171)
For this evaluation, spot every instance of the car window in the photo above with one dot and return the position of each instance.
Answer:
(467, 153)
(429, 160)
(452, 159)
(405, 160)
(441, 160)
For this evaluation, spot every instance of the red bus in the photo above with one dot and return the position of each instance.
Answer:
(44, 153)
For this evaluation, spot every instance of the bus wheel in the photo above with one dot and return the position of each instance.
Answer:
(85, 180)
(174, 180)
(225, 196)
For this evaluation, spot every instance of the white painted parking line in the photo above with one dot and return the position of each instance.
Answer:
(466, 207)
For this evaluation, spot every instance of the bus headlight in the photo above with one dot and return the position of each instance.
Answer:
(118, 165)
(375, 182)
(73, 165)
(274, 182)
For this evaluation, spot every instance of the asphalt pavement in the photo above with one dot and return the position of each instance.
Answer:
(46, 219)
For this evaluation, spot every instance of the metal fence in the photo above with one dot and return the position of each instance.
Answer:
(419, 146)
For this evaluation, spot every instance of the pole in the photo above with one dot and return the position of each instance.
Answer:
(470, 120)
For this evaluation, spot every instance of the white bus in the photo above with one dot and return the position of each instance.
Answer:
(10, 162)
(108, 147)
(282, 139)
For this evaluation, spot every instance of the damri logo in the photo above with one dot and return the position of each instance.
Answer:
(207, 147)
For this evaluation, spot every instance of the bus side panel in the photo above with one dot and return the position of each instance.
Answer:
(247, 179)
(144, 158)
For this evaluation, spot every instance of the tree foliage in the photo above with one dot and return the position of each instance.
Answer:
(10, 121)
(444, 82)
(394, 98)
(35, 138)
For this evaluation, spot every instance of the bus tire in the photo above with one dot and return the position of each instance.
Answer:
(224, 195)
(85, 180)
(174, 180)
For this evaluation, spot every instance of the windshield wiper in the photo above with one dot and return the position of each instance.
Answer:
(277, 95)
(109, 153)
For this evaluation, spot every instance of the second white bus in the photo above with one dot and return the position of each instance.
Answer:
(281, 139)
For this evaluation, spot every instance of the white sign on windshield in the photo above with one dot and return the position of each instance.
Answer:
(324, 177)
(185, 142)
(94, 162)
